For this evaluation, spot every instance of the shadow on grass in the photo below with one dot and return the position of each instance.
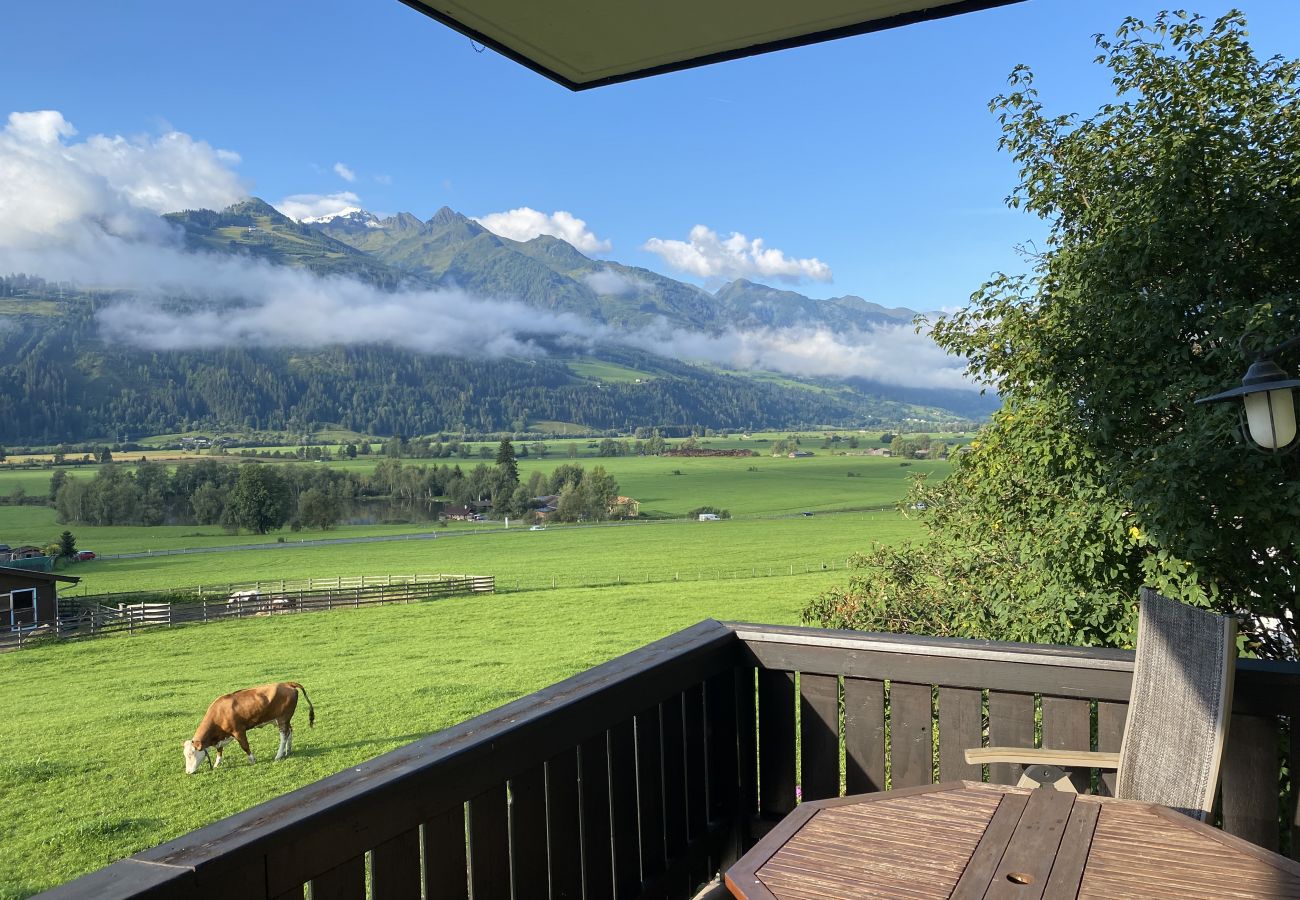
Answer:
(321, 750)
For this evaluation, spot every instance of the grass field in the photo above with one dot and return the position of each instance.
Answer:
(91, 768)
(666, 487)
(530, 560)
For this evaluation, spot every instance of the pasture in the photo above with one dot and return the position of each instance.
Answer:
(667, 487)
(560, 556)
(90, 763)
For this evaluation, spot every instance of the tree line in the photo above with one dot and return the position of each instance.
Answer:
(261, 497)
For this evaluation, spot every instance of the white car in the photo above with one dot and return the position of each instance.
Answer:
(537, 528)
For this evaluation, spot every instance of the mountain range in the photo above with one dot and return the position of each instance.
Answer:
(61, 380)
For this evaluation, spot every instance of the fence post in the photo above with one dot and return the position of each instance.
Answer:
(204, 601)
(357, 602)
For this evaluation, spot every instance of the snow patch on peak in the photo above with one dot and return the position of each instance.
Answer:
(350, 215)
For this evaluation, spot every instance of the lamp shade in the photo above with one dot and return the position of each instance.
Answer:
(1268, 401)
(1270, 418)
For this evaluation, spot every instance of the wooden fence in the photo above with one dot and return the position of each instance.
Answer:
(128, 613)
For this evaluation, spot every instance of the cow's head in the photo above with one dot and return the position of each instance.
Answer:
(193, 755)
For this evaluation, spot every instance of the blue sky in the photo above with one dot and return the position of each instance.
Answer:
(876, 155)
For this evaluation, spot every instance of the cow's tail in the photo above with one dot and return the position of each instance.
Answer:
(311, 710)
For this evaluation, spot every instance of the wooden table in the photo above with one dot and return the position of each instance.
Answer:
(968, 840)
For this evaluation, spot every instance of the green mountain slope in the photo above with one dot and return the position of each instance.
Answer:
(61, 381)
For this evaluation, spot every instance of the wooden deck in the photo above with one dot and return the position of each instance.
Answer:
(647, 775)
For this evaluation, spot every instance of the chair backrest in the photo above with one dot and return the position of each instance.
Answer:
(1180, 705)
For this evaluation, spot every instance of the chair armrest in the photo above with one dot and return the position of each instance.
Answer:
(1065, 759)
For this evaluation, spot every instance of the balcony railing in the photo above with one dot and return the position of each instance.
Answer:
(645, 776)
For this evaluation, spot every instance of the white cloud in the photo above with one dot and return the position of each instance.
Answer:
(524, 224)
(314, 206)
(707, 256)
(613, 283)
(55, 189)
(344, 172)
(88, 212)
(890, 354)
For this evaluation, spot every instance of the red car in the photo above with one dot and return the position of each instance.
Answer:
(84, 555)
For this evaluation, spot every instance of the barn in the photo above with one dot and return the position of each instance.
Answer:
(29, 599)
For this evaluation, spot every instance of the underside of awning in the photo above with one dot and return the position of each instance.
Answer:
(589, 43)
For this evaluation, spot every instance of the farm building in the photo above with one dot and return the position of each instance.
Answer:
(29, 599)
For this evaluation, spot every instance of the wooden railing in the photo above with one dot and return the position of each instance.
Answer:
(645, 776)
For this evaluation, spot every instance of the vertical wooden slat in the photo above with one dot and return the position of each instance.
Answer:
(746, 749)
(528, 832)
(597, 847)
(1011, 724)
(674, 771)
(1110, 734)
(1250, 780)
(563, 822)
(346, 881)
(696, 762)
(720, 739)
(722, 743)
(1066, 726)
(960, 726)
(489, 845)
(445, 861)
(650, 792)
(775, 742)
(696, 777)
(395, 867)
(911, 747)
(864, 735)
(819, 736)
(623, 813)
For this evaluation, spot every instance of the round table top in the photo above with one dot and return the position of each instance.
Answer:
(970, 840)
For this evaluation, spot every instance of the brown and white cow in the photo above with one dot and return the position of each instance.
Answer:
(232, 715)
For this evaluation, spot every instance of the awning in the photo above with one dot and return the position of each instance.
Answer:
(588, 43)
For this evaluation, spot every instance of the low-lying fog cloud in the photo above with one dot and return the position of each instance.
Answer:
(87, 211)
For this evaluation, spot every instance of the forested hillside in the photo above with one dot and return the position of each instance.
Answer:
(60, 382)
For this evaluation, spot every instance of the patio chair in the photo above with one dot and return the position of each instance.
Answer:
(1177, 719)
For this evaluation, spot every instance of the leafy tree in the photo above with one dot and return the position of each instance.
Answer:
(1172, 213)
(57, 480)
(505, 461)
(259, 500)
(105, 455)
(208, 503)
(318, 508)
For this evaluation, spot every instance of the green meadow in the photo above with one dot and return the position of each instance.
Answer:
(667, 488)
(560, 556)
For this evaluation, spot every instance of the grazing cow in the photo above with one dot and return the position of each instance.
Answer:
(232, 715)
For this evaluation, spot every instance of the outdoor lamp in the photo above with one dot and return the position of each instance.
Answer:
(1268, 405)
